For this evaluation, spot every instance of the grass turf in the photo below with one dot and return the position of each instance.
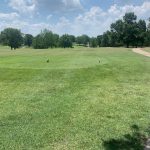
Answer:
(73, 102)
(147, 49)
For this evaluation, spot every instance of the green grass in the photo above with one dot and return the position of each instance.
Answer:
(74, 102)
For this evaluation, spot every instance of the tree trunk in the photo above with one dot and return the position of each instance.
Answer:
(142, 44)
(127, 45)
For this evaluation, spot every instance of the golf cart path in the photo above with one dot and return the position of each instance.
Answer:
(140, 51)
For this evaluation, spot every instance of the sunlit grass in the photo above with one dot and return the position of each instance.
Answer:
(78, 100)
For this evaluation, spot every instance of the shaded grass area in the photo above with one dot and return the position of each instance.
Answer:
(73, 102)
(135, 141)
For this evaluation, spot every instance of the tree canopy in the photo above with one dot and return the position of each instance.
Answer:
(11, 37)
(128, 31)
(83, 40)
(65, 41)
(46, 39)
(28, 39)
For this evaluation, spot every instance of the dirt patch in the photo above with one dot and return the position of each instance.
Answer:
(140, 51)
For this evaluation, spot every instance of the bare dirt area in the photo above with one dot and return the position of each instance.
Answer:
(140, 51)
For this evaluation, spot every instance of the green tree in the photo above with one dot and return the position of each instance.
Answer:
(93, 42)
(28, 39)
(117, 30)
(130, 29)
(113, 39)
(147, 36)
(65, 41)
(105, 39)
(11, 37)
(72, 38)
(46, 39)
(39, 43)
(147, 39)
(141, 31)
(99, 40)
(130, 18)
(56, 40)
(127, 31)
(83, 40)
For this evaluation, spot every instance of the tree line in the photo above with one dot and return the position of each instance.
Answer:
(127, 31)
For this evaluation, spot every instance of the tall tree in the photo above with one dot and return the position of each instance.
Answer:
(56, 40)
(72, 38)
(130, 18)
(83, 40)
(28, 38)
(12, 37)
(117, 29)
(129, 29)
(141, 31)
(93, 42)
(65, 41)
(147, 36)
(113, 39)
(46, 39)
(105, 39)
(39, 43)
(99, 40)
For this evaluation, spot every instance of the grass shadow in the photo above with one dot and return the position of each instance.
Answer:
(135, 141)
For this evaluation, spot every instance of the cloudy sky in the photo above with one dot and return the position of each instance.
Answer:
(77, 17)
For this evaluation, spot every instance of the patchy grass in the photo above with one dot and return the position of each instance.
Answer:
(72, 102)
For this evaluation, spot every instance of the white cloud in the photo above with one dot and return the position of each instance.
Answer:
(25, 27)
(142, 11)
(96, 21)
(23, 6)
(59, 5)
(92, 22)
(29, 6)
(49, 17)
(9, 16)
(72, 3)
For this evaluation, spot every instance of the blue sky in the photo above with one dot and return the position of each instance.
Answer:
(77, 17)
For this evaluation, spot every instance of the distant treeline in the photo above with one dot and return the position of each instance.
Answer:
(124, 32)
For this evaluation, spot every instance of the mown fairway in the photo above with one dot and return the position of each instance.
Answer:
(73, 102)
